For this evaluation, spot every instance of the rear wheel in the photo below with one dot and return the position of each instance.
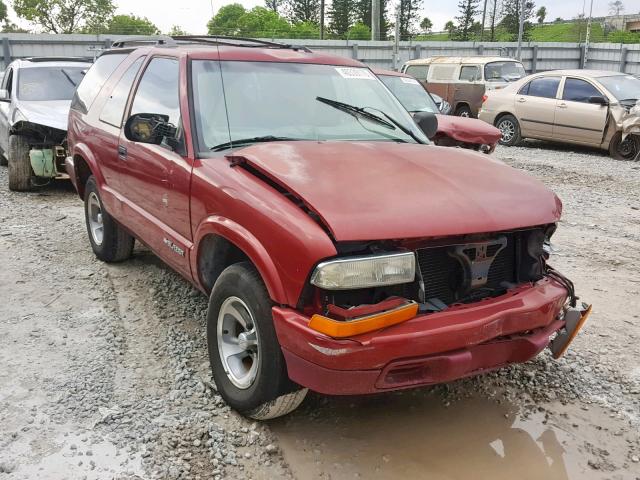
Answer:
(19, 164)
(510, 130)
(463, 111)
(247, 363)
(626, 149)
(108, 240)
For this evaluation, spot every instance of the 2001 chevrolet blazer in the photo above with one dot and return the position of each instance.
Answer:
(341, 251)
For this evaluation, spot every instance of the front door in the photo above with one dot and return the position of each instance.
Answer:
(536, 106)
(156, 180)
(577, 120)
(5, 111)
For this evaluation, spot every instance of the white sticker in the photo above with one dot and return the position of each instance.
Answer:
(357, 73)
(412, 81)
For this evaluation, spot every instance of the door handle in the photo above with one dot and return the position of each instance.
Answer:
(522, 100)
(122, 152)
(562, 105)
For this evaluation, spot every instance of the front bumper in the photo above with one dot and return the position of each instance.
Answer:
(428, 349)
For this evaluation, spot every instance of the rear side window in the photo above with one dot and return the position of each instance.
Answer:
(7, 81)
(418, 71)
(95, 79)
(576, 90)
(469, 73)
(443, 72)
(113, 110)
(545, 87)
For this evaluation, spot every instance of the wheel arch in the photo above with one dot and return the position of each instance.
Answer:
(221, 242)
(85, 165)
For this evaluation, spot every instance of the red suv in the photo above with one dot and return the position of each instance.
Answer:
(342, 252)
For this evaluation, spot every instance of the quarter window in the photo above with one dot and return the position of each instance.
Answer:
(94, 80)
(113, 110)
(576, 90)
(418, 71)
(469, 73)
(545, 87)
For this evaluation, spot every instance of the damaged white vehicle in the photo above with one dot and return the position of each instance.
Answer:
(34, 105)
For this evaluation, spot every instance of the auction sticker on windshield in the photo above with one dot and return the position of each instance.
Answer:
(357, 73)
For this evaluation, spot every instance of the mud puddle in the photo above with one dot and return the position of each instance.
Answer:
(420, 434)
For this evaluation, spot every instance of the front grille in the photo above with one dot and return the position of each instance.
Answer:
(447, 278)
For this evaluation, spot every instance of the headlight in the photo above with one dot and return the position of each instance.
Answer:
(365, 271)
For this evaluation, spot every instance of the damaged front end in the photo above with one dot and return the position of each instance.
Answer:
(47, 148)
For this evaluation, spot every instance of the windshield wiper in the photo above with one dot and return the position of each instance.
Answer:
(68, 77)
(390, 123)
(247, 141)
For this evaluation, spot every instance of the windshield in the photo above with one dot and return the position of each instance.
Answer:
(48, 83)
(411, 93)
(266, 100)
(623, 87)
(503, 71)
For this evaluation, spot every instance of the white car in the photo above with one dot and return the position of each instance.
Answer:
(35, 97)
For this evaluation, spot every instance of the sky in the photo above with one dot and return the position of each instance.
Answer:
(192, 15)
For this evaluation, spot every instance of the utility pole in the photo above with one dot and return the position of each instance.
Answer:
(586, 42)
(321, 19)
(396, 40)
(484, 16)
(375, 19)
(521, 30)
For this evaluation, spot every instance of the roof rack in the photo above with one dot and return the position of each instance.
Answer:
(142, 41)
(236, 42)
(58, 59)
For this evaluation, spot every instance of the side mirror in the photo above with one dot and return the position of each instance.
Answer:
(598, 100)
(4, 95)
(150, 128)
(428, 123)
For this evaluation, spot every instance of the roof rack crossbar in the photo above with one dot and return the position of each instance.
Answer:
(228, 41)
(58, 59)
(140, 41)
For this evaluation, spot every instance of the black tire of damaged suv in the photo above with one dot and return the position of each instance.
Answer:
(266, 392)
(20, 173)
(3, 159)
(109, 241)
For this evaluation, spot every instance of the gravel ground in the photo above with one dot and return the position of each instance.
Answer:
(105, 372)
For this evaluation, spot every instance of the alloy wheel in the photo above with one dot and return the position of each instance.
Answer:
(238, 342)
(96, 223)
(507, 129)
(628, 148)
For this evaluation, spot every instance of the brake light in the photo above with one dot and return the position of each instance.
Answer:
(484, 98)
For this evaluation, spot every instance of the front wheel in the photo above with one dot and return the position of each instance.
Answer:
(247, 363)
(108, 240)
(626, 149)
(19, 164)
(510, 129)
(463, 111)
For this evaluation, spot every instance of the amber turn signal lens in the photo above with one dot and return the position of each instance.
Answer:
(343, 329)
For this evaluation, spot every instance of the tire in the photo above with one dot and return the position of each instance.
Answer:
(3, 160)
(246, 360)
(19, 164)
(510, 129)
(624, 150)
(463, 111)
(108, 240)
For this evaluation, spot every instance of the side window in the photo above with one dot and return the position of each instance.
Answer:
(469, 73)
(7, 81)
(443, 72)
(159, 90)
(576, 90)
(113, 110)
(95, 79)
(418, 71)
(545, 87)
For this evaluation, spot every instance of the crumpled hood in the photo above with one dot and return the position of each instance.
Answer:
(52, 113)
(385, 190)
(468, 130)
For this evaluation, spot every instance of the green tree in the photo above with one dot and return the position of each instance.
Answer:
(262, 22)
(131, 25)
(66, 16)
(273, 4)
(341, 15)
(450, 28)
(363, 15)
(227, 20)
(541, 14)
(468, 11)
(409, 11)
(359, 31)
(305, 30)
(303, 10)
(177, 30)
(616, 7)
(511, 17)
(426, 25)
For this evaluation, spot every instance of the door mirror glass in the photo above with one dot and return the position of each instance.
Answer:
(151, 128)
(427, 122)
(598, 100)
(4, 95)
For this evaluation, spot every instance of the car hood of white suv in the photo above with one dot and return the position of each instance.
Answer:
(50, 113)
